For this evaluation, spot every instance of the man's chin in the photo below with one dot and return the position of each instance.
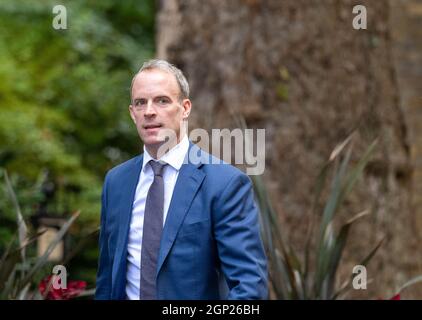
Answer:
(153, 143)
(160, 138)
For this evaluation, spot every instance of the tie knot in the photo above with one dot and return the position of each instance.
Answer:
(157, 167)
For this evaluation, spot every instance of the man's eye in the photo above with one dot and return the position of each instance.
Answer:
(162, 101)
(139, 103)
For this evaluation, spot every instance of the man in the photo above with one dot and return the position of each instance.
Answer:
(170, 228)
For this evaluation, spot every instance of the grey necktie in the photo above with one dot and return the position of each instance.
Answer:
(153, 227)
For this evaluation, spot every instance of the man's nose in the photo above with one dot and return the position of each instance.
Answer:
(150, 110)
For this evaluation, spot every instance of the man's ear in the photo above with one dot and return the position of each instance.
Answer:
(187, 105)
(132, 115)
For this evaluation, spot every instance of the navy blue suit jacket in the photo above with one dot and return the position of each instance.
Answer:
(211, 246)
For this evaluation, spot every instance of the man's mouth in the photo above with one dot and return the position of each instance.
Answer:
(152, 126)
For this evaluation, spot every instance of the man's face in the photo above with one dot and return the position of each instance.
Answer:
(156, 106)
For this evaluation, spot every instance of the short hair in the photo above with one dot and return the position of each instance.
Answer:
(166, 66)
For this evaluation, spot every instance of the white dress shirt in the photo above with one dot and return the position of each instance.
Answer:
(174, 158)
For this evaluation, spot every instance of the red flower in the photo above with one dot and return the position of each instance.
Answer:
(396, 297)
(74, 288)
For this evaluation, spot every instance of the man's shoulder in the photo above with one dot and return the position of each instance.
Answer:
(124, 167)
(218, 169)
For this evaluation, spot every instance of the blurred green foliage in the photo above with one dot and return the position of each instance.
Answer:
(63, 103)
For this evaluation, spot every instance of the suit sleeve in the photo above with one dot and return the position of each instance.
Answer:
(103, 286)
(239, 244)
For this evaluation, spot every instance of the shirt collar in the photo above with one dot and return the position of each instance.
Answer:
(174, 157)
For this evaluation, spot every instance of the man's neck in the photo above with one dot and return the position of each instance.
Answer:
(158, 151)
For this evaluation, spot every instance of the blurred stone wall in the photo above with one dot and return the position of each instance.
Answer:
(406, 18)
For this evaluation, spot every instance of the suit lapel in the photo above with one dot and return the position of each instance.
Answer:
(188, 182)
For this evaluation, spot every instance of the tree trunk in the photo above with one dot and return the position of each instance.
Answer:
(300, 70)
(406, 17)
